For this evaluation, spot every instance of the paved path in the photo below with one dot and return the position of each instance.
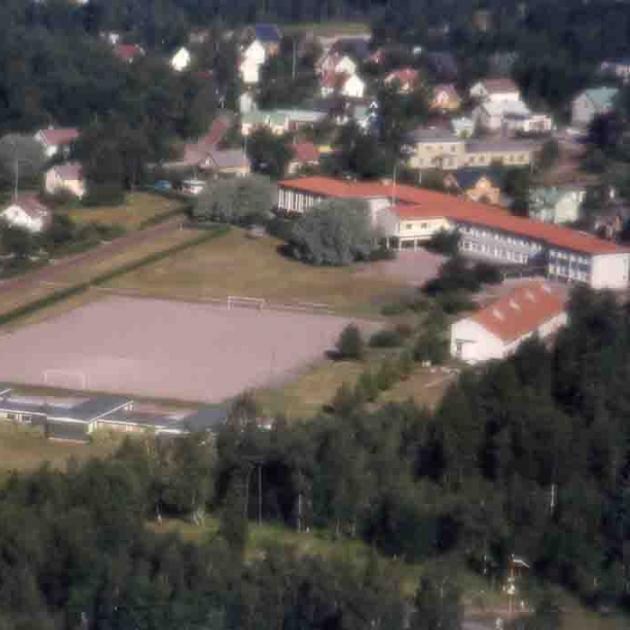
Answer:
(49, 273)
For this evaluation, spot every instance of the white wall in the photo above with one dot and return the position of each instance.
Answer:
(610, 271)
(477, 344)
(15, 216)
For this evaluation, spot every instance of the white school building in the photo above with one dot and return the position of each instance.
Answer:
(407, 216)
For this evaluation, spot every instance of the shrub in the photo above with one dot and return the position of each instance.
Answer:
(367, 387)
(487, 273)
(387, 375)
(281, 228)
(335, 232)
(453, 302)
(386, 338)
(431, 348)
(444, 242)
(104, 195)
(350, 343)
(405, 364)
(346, 400)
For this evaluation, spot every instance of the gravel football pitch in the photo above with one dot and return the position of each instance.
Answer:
(166, 349)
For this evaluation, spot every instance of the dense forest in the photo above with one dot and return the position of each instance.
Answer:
(526, 456)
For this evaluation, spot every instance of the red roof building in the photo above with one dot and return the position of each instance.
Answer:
(304, 154)
(406, 78)
(128, 52)
(485, 230)
(494, 332)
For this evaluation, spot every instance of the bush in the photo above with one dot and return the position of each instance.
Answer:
(281, 228)
(346, 400)
(241, 201)
(454, 274)
(453, 302)
(432, 348)
(387, 375)
(335, 232)
(350, 343)
(444, 242)
(386, 338)
(104, 195)
(487, 273)
(367, 387)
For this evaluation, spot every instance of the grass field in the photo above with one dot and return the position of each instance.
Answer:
(238, 265)
(23, 449)
(138, 208)
(306, 395)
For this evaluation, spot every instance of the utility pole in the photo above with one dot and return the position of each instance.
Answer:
(294, 64)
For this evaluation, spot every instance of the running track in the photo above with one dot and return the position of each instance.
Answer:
(97, 254)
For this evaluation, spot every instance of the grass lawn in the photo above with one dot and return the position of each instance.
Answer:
(238, 265)
(23, 449)
(425, 386)
(138, 207)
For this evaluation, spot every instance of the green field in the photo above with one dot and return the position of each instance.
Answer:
(25, 449)
(236, 264)
(138, 208)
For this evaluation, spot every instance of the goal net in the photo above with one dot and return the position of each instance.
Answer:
(237, 301)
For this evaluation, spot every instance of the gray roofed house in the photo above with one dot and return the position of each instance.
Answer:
(67, 431)
(233, 161)
(95, 408)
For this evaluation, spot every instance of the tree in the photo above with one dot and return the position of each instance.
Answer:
(268, 153)
(241, 201)
(437, 602)
(23, 153)
(17, 241)
(350, 344)
(549, 155)
(334, 232)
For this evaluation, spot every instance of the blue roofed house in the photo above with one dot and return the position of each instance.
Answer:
(269, 36)
(591, 103)
(556, 204)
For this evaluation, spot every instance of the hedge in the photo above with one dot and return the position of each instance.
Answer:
(62, 294)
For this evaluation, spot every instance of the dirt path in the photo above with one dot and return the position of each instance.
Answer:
(49, 273)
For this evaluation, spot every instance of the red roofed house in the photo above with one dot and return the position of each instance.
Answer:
(497, 330)
(408, 216)
(27, 212)
(128, 52)
(406, 79)
(66, 177)
(304, 154)
(55, 139)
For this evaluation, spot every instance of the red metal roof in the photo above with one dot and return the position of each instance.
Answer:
(520, 311)
(58, 136)
(128, 52)
(305, 152)
(420, 203)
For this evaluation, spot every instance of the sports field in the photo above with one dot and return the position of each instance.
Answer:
(166, 349)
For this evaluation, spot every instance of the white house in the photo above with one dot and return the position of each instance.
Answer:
(28, 213)
(591, 103)
(556, 204)
(66, 177)
(497, 330)
(495, 91)
(512, 116)
(619, 68)
(336, 63)
(353, 87)
(252, 58)
(181, 59)
(56, 139)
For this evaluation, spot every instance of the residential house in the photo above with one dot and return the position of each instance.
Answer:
(336, 63)
(227, 162)
(181, 59)
(478, 184)
(269, 36)
(511, 116)
(55, 140)
(128, 53)
(406, 80)
(504, 152)
(274, 121)
(496, 331)
(591, 103)
(305, 154)
(251, 60)
(246, 102)
(348, 86)
(445, 98)
(495, 91)
(27, 212)
(618, 68)
(417, 214)
(435, 148)
(353, 87)
(556, 204)
(67, 177)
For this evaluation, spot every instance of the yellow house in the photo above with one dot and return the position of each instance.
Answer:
(405, 228)
(477, 184)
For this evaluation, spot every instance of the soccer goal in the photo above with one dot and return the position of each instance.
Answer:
(238, 301)
(66, 379)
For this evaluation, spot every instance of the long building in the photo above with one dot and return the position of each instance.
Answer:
(408, 216)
